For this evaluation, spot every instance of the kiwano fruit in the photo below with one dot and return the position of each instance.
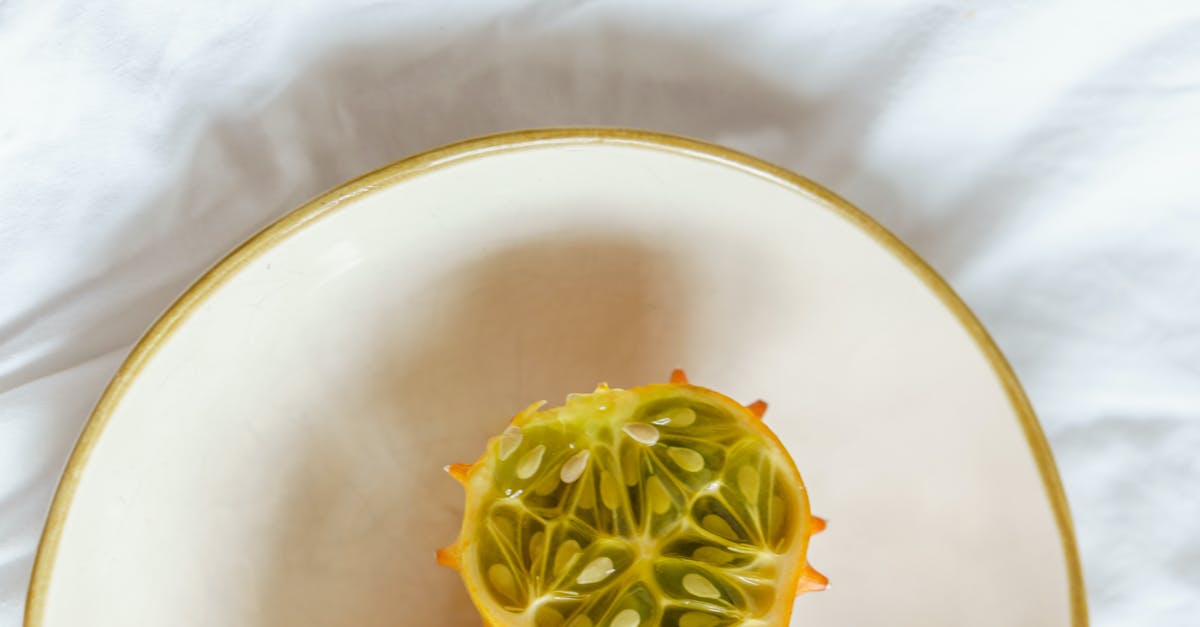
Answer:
(668, 504)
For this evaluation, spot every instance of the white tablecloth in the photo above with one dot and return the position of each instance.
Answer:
(1044, 156)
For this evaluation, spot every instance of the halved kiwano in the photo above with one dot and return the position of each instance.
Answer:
(667, 504)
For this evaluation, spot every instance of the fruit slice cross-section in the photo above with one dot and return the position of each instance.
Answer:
(668, 504)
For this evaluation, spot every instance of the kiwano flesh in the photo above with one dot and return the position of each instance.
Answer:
(668, 504)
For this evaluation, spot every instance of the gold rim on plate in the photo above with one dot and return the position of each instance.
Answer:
(335, 199)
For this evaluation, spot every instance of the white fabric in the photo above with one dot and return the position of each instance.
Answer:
(1044, 156)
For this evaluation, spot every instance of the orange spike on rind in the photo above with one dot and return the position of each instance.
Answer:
(448, 556)
(818, 524)
(758, 408)
(460, 472)
(678, 376)
(811, 581)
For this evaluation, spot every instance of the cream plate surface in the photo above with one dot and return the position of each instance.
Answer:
(272, 452)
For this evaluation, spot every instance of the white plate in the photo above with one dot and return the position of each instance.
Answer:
(271, 452)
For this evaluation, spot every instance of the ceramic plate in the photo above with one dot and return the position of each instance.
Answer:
(272, 451)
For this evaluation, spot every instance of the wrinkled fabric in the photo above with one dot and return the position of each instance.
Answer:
(1043, 156)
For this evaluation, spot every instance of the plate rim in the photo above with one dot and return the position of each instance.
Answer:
(334, 199)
